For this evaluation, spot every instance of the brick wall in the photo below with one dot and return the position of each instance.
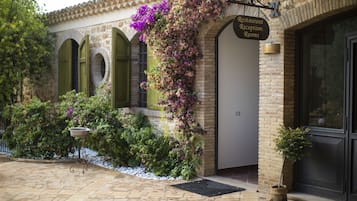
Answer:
(276, 81)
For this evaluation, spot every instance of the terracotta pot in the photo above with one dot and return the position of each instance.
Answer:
(79, 132)
(278, 193)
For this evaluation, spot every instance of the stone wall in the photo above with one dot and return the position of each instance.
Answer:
(100, 36)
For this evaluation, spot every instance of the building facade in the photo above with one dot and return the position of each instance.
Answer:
(246, 93)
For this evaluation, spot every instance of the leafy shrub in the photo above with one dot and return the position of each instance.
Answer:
(40, 129)
(35, 131)
(149, 150)
(291, 143)
(96, 113)
(128, 139)
(163, 155)
(186, 157)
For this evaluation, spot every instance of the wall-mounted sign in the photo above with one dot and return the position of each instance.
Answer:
(251, 27)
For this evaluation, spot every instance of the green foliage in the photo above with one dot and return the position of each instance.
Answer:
(127, 139)
(161, 154)
(149, 150)
(291, 143)
(35, 131)
(25, 47)
(41, 130)
(96, 113)
(188, 156)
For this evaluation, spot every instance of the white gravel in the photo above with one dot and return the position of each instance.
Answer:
(92, 157)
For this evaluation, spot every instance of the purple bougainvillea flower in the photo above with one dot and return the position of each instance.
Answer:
(143, 85)
(171, 29)
(69, 112)
(142, 37)
(146, 16)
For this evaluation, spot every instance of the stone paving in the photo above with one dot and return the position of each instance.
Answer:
(24, 181)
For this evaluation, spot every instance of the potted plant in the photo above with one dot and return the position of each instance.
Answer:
(291, 143)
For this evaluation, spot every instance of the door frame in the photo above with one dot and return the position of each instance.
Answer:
(350, 41)
(216, 94)
(216, 43)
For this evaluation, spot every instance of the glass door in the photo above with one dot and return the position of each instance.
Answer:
(327, 104)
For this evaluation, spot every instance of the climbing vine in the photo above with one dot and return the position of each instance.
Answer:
(171, 28)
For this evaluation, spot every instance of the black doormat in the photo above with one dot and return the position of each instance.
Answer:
(208, 188)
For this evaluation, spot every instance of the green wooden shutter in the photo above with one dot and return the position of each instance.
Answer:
(65, 68)
(83, 65)
(153, 95)
(120, 69)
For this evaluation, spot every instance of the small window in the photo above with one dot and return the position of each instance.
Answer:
(102, 67)
(98, 69)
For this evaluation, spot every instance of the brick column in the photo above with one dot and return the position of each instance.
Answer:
(271, 108)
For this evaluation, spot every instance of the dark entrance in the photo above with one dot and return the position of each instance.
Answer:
(328, 105)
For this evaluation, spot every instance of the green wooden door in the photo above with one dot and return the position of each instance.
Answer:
(153, 95)
(65, 68)
(83, 65)
(120, 69)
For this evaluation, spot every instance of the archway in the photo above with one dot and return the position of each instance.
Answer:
(237, 105)
(206, 79)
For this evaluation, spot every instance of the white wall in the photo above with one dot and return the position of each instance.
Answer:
(238, 70)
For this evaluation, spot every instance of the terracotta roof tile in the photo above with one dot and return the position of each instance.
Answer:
(91, 8)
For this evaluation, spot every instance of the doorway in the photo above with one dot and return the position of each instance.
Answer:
(237, 105)
(327, 104)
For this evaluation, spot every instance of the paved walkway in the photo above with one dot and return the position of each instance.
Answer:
(21, 181)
